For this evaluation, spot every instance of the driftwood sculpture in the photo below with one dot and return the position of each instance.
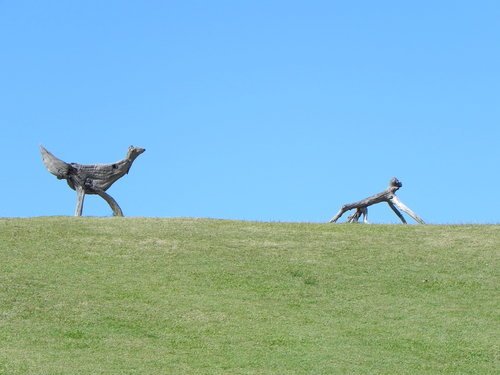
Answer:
(91, 179)
(388, 196)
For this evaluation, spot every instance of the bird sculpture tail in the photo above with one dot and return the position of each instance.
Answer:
(56, 166)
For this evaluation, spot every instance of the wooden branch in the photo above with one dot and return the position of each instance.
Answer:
(80, 196)
(354, 218)
(388, 196)
(391, 205)
(117, 211)
(407, 210)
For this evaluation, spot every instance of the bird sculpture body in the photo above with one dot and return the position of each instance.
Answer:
(91, 179)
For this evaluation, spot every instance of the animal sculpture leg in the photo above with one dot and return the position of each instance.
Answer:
(117, 211)
(365, 215)
(396, 211)
(80, 196)
(406, 209)
(360, 211)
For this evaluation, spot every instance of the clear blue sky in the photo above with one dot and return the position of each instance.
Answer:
(254, 110)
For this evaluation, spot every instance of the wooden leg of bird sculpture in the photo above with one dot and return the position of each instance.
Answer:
(80, 196)
(117, 211)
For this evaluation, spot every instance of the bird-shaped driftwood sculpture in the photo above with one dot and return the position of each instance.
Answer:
(91, 179)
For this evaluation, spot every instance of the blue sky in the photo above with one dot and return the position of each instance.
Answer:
(254, 110)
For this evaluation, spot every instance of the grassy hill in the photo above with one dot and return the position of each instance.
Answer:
(185, 296)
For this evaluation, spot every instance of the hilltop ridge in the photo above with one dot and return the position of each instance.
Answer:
(203, 296)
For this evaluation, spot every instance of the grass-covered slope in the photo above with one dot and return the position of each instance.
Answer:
(165, 296)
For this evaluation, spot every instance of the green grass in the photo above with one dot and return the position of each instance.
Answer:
(185, 296)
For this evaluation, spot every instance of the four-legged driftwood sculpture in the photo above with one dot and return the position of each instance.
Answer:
(388, 195)
(91, 179)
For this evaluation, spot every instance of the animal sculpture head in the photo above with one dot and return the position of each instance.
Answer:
(134, 152)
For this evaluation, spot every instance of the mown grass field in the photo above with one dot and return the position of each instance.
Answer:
(186, 296)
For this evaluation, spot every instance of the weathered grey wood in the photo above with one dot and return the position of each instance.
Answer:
(56, 166)
(354, 218)
(91, 179)
(80, 197)
(117, 211)
(396, 211)
(405, 209)
(388, 196)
